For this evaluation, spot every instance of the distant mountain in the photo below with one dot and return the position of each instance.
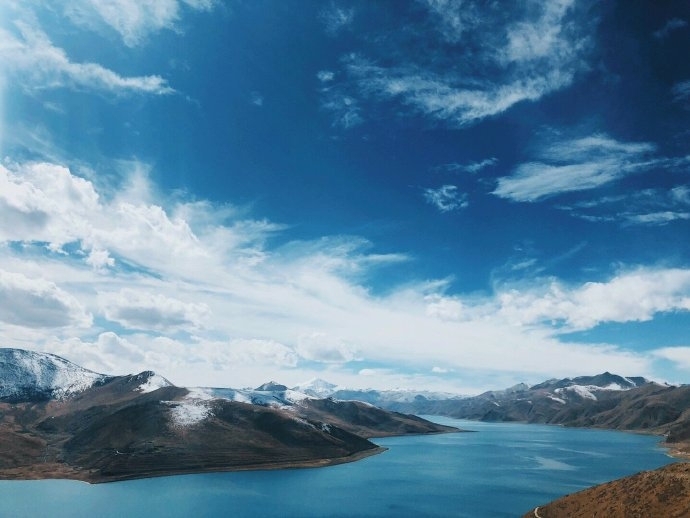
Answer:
(317, 388)
(602, 401)
(558, 401)
(58, 420)
(388, 399)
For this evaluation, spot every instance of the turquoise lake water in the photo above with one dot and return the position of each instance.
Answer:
(501, 470)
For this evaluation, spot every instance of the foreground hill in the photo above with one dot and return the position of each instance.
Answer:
(58, 420)
(662, 492)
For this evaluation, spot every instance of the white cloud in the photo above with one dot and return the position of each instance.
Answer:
(133, 20)
(335, 18)
(45, 202)
(200, 295)
(255, 351)
(455, 17)
(681, 91)
(257, 99)
(542, 37)
(325, 75)
(136, 309)
(346, 110)
(446, 99)
(321, 347)
(31, 59)
(540, 52)
(670, 26)
(575, 165)
(38, 303)
(100, 259)
(632, 296)
(446, 198)
(645, 207)
(680, 355)
(657, 218)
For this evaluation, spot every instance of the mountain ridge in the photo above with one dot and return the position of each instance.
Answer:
(58, 420)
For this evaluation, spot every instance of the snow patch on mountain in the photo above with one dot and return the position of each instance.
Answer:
(279, 398)
(585, 392)
(188, 413)
(194, 408)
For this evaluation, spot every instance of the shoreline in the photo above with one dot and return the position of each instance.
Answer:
(66, 472)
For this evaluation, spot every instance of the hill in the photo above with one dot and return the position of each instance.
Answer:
(661, 492)
(58, 420)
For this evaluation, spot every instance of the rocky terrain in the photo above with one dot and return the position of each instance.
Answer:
(602, 401)
(662, 492)
(58, 420)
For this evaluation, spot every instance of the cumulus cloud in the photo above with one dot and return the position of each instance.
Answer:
(45, 202)
(576, 165)
(632, 296)
(321, 347)
(30, 58)
(197, 289)
(446, 198)
(259, 351)
(38, 303)
(136, 309)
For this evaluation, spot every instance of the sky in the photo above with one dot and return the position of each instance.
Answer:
(450, 195)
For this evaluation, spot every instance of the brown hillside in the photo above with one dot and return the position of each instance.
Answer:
(664, 492)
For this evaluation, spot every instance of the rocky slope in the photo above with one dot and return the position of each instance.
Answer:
(662, 492)
(58, 420)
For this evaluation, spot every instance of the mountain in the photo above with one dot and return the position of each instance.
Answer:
(558, 401)
(58, 420)
(317, 388)
(661, 492)
(28, 375)
(389, 399)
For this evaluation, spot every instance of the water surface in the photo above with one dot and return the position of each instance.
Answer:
(501, 470)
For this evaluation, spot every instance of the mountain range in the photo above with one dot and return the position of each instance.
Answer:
(58, 420)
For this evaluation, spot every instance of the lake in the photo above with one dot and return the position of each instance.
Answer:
(501, 470)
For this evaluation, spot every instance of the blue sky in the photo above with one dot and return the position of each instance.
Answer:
(432, 194)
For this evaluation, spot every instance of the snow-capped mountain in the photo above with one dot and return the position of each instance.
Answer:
(28, 375)
(389, 399)
(119, 427)
(151, 381)
(585, 400)
(317, 388)
(269, 394)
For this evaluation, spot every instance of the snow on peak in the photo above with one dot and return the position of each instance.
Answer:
(27, 372)
(152, 382)
(317, 387)
(277, 398)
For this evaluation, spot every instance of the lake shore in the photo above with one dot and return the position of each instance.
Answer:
(47, 471)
